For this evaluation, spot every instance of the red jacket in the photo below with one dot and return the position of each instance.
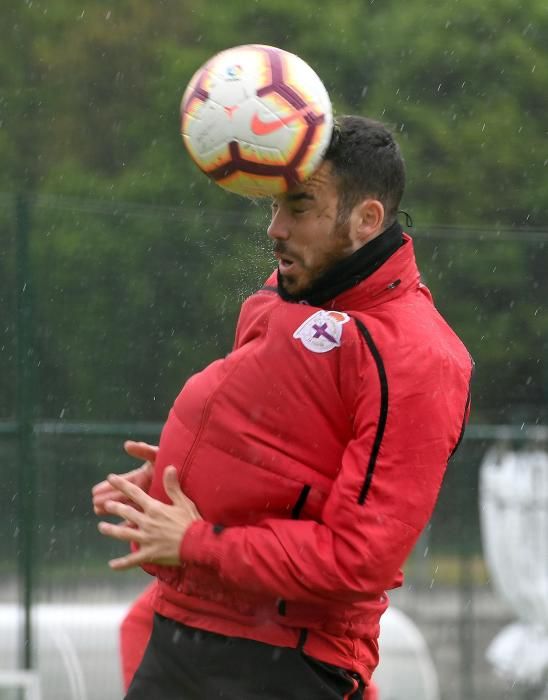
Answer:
(314, 452)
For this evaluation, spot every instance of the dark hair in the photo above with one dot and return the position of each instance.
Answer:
(366, 161)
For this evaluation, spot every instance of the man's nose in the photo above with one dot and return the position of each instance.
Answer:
(278, 229)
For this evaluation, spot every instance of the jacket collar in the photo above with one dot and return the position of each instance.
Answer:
(398, 274)
(388, 279)
(394, 277)
(349, 271)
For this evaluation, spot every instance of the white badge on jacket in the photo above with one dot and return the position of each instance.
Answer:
(322, 331)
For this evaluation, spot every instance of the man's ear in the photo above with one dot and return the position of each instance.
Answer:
(368, 220)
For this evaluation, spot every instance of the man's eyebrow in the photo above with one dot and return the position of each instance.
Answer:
(299, 196)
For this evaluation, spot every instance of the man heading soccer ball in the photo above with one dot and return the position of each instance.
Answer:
(295, 475)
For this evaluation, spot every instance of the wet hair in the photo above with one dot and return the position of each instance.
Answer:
(366, 162)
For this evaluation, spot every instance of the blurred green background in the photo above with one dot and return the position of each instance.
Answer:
(89, 130)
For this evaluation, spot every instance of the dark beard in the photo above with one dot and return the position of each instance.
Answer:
(342, 248)
(347, 270)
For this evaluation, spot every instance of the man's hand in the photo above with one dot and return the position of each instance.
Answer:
(141, 477)
(156, 527)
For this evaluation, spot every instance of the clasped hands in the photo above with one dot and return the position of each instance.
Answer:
(157, 528)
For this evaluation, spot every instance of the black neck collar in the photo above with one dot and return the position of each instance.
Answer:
(350, 271)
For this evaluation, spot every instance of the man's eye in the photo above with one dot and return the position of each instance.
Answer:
(299, 211)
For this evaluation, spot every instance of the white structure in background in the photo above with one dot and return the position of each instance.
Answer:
(77, 650)
(27, 682)
(406, 670)
(514, 519)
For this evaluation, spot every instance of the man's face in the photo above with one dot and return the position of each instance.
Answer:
(307, 236)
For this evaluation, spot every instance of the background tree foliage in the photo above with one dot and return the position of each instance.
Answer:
(139, 263)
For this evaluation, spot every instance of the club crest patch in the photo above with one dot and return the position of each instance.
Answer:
(322, 331)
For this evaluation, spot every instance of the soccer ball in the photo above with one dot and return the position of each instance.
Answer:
(256, 119)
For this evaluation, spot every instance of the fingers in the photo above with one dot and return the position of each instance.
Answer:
(101, 488)
(155, 526)
(124, 511)
(103, 491)
(97, 500)
(124, 533)
(173, 490)
(172, 486)
(130, 491)
(142, 556)
(141, 450)
(108, 495)
(129, 561)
